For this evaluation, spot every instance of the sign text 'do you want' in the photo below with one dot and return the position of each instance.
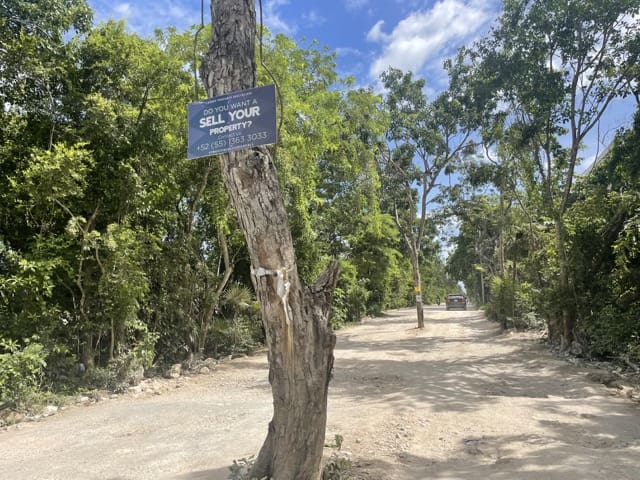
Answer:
(232, 121)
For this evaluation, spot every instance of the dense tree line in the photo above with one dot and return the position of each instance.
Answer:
(116, 253)
(549, 245)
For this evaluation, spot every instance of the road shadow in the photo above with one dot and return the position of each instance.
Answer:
(500, 458)
(482, 367)
(477, 376)
(209, 474)
(256, 361)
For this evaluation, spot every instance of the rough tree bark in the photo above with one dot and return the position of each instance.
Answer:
(299, 338)
(417, 281)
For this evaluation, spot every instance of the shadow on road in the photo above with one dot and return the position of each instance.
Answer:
(473, 367)
(500, 458)
(212, 474)
(463, 363)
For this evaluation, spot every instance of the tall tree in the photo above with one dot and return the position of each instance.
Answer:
(555, 67)
(299, 338)
(90, 194)
(604, 251)
(424, 139)
(33, 50)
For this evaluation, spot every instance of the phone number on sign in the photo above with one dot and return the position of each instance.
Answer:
(216, 145)
(247, 139)
(239, 141)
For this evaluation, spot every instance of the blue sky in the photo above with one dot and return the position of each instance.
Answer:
(368, 36)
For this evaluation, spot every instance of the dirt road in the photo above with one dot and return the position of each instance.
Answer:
(457, 400)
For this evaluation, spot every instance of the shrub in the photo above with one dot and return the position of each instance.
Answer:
(21, 371)
(105, 378)
(613, 332)
(350, 296)
(241, 468)
(241, 333)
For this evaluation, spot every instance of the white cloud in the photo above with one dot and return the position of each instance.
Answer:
(313, 18)
(123, 10)
(346, 51)
(273, 19)
(376, 34)
(355, 4)
(429, 35)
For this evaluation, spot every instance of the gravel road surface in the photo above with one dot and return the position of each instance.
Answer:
(457, 400)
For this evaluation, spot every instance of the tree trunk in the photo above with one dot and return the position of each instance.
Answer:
(568, 317)
(207, 319)
(418, 291)
(88, 355)
(112, 340)
(299, 338)
(501, 256)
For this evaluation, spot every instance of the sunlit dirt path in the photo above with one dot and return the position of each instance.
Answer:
(457, 400)
(462, 400)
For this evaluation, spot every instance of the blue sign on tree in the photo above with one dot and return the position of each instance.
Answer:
(231, 122)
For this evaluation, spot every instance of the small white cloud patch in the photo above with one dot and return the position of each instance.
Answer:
(423, 35)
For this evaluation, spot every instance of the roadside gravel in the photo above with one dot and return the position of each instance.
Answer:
(457, 400)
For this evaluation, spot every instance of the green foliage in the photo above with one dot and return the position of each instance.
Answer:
(56, 176)
(425, 139)
(502, 307)
(91, 188)
(337, 467)
(61, 375)
(34, 51)
(241, 468)
(26, 289)
(306, 83)
(349, 298)
(382, 270)
(21, 371)
(238, 327)
(605, 258)
(602, 231)
(626, 250)
(123, 285)
(512, 304)
(613, 332)
(116, 251)
(327, 162)
(542, 91)
(105, 378)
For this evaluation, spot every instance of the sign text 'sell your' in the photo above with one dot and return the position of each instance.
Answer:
(232, 121)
